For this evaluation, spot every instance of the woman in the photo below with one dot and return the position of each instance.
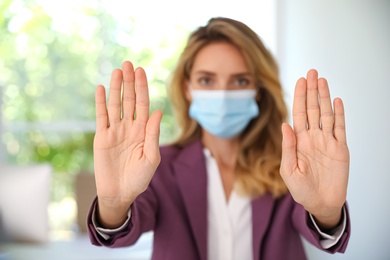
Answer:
(233, 185)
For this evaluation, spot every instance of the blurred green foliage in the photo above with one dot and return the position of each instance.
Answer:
(49, 69)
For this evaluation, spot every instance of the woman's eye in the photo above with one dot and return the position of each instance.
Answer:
(242, 82)
(205, 81)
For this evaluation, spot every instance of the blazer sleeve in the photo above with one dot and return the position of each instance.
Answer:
(143, 212)
(304, 224)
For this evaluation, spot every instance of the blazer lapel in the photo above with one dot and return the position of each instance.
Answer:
(262, 209)
(190, 171)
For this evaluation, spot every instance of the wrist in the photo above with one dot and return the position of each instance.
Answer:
(111, 215)
(328, 221)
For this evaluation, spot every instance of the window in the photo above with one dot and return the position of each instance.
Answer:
(54, 53)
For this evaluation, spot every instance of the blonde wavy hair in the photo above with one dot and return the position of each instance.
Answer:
(258, 163)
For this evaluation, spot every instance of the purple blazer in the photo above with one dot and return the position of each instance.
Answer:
(175, 207)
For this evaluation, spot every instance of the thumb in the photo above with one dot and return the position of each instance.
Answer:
(289, 151)
(152, 136)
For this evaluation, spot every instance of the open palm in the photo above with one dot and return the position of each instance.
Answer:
(126, 144)
(315, 159)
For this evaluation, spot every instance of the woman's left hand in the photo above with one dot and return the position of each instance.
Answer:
(315, 158)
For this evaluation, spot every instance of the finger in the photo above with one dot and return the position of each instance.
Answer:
(313, 109)
(152, 137)
(142, 97)
(114, 100)
(299, 106)
(101, 109)
(339, 121)
(289, 151)
(128, 91)
(327, 118)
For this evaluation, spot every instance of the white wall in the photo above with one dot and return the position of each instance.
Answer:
(348, 42)
(2, 148)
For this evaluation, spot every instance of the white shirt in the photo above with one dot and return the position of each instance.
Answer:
(229, 223)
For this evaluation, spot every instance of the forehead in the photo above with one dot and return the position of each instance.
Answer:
(220, 57)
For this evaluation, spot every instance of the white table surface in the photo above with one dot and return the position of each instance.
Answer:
(78, 248)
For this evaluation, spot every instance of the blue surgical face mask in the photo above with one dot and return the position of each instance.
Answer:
(224, 113)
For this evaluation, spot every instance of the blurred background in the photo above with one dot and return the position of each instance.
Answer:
(53, 54)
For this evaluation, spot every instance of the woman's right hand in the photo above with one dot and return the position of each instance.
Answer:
(126, 144)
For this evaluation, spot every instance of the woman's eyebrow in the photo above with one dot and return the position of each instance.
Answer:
(205, 72)
(239, 74)
(242, 74)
